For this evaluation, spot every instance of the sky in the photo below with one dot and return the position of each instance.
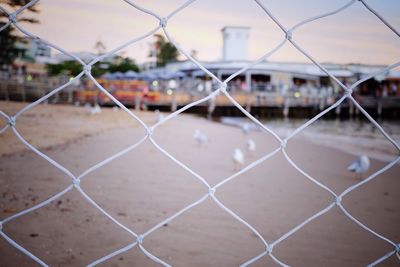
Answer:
(352, 36)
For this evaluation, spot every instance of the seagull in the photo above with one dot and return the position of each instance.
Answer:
(200, 137)
(92, 110)
(159, 116)
(360, 165)
(246, 128)
(96, 109)
(238, 158)
(251, 145)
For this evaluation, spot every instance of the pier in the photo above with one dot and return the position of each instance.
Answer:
(260, 104)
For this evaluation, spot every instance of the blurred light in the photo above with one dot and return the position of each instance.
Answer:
(169, 92)
(172, 84)
(297, 94)
(29, 78)
(154, 83)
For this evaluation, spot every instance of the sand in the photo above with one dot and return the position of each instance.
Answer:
(143, 187)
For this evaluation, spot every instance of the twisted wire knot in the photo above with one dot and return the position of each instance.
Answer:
(12, 17)
(211, 191)
(283, 143)
(139, 239)
(149, 131)
(348, 92)
(76, 182)
(12, 121)
(398, 251)
(270, 248)
(87, 69)
(163, 22)
(223, 87)
(338, 200)
(289, 35)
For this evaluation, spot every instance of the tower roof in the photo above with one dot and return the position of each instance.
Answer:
(235, 27)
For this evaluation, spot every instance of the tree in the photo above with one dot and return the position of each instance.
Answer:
(73, 68)
(194, 53)
(9, 36)
(100, 47)
(69, 67)
(124, 65)
(164, 51)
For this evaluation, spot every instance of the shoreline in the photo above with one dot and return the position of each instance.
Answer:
(353, 144)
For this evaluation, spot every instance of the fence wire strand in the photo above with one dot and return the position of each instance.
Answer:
(210, 191)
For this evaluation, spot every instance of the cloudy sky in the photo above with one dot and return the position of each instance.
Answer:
(355, 35)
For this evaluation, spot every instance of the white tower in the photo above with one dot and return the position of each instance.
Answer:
(235, 43)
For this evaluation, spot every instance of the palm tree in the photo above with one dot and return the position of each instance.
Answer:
(100, 47)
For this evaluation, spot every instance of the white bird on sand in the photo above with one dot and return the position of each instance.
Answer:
(200, 137)
(360, 165)
(246, 127)
(251, 145)
(97, 109)
(159, 115)
(238, 158)
(92, 110)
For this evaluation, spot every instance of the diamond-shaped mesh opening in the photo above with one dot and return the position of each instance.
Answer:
(220, 15)
(354, 245)
(375, 203)
(69, 240)
(23, 188)
(214, 162)
(345, 31)
(328, 139)
(263, 198)
(208, 232)
(124, 191)
(97, 129)
(97, 25)
(303, 90)
(287, 11)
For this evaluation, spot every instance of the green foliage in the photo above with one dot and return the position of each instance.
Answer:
(165, 51)
(125, 65)
(8, 52)
(73, 68)
(8, 36)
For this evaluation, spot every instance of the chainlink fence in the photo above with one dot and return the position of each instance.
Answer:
(209, 191)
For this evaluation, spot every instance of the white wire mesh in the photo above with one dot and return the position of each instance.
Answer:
(209, 190)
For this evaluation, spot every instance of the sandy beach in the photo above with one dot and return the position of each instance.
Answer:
(143, 187)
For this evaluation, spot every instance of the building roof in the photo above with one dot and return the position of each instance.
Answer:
(235, 27)
(302, 69)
